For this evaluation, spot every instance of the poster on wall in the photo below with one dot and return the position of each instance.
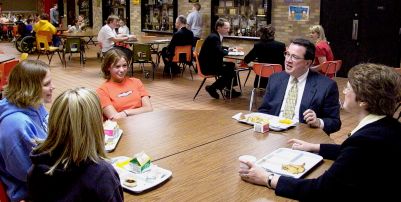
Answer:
(298, 13)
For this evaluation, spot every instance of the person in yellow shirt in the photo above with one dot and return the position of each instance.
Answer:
(45, 25)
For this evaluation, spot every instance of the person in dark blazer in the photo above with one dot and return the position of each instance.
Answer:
(211, 60)
(267, 50)
(317, 101)
(181, 38)
(363, 167)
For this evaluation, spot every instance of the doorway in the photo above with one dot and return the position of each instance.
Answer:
(363, 31)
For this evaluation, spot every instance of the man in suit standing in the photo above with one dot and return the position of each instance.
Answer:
(211, 60)
(300, 94)
(181, 38)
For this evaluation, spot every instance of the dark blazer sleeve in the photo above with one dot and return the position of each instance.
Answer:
(274, 95)
(251, 56)
(331, 110)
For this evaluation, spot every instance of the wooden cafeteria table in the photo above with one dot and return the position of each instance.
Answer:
(164, 133)
(201, 148)
(5, 58)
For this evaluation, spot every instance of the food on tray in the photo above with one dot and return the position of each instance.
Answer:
(285, 121)
(294, 169)
(257, 119)
(130, 182)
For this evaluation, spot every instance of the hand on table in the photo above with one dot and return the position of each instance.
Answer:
(253, 174)
(304, 146)
(311, 118)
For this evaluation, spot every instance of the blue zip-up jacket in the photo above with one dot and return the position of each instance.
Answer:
(20, 128)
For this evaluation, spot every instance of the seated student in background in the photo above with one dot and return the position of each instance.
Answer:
(81, 22)
(108, 37)
(23, 121)
(123, 29)
(267, 50)
(121, 96)
(181, 38)
(363, 168)
(323, 51)
(74, 28)
(303, 95)
(211, 60)
(45, 25)
(70, 164)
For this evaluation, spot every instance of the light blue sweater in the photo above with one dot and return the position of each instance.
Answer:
(20, 128)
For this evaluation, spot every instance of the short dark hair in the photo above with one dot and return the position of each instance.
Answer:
(220, 23)
(267, 32)
(197, 6)
(310, 48)
(44, 16)
(182, 19)
(377, 85)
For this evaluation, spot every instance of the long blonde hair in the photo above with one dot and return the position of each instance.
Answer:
(24, 86)
(75, 129)
(320, 31)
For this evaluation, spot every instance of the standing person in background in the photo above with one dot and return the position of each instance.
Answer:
(54, 15)
(211, 61)
(364, 163)
(194, 22)
(70, 165)
(323, 51)
(121, 96)
(267, 50)
(23, 121)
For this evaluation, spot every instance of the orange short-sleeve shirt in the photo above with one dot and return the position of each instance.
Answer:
(125, 95)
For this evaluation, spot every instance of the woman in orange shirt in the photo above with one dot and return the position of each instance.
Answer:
(121, 96)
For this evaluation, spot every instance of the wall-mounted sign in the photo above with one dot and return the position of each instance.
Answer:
(136, 2)
(298, 13)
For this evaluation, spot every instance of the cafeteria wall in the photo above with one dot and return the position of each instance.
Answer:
(285, 29)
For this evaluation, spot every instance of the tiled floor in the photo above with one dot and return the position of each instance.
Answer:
(165, 93)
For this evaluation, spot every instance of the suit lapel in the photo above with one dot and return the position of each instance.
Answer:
(309, 93)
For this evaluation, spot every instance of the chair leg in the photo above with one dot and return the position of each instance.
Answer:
(61, 59)
(200, 87)
(251, 99)
(249, 72)
(239, 81)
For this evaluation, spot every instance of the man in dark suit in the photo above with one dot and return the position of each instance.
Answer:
(181, 38)
(211, 60)
(267, 50)
(315, 100)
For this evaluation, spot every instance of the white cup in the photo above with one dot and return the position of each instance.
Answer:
(246, 158)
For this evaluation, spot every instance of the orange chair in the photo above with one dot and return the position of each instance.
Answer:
(183, 58)
(3, 193)
(5, 69)
(263, 70)
(330, 68)
(43, 39)
(196, 55)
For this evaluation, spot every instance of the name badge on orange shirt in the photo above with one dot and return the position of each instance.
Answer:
(125, 94)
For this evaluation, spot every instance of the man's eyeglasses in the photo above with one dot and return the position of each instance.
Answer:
(292, 57)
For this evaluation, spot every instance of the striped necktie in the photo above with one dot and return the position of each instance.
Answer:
(291, 101)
